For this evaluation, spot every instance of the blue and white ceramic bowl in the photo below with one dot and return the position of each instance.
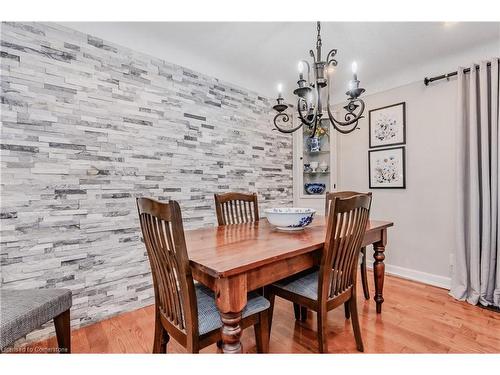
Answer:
(292, 218)
(315, 188)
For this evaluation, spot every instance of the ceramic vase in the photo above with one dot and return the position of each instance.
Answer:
(314, 144)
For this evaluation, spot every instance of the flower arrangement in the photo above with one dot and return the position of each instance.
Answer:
(320, 131)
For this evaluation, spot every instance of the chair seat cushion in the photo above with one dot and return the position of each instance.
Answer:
(305, 285)
(22, 311)
(208, 315)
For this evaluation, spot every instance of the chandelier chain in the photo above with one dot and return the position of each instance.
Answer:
(318, 42)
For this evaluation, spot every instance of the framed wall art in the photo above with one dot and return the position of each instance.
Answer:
(386, 168)
(387, 125)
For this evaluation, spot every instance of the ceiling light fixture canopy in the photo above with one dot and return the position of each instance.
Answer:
(311, 94)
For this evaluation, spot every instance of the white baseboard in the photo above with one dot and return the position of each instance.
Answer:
(414, 275)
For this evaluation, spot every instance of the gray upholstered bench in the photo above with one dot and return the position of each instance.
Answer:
(23, 311)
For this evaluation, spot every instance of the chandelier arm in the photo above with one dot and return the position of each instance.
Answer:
(350, 117)
(345, 131)
(286, 118)
(311, 53)
(317, 118)
(315, 112)
(301, 116)
(330, 58)
(315, 126)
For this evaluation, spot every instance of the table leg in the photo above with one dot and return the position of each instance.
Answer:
(231, 332)
(231, 299)
(379, 270)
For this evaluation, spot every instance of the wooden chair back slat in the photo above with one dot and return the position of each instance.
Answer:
(236, 208)
(346, 225)
(163, 233)
(338, 194)
(245, 210)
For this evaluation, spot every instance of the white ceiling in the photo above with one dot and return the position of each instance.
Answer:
(258, 55)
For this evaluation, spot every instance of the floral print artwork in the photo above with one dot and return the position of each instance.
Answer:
(387, 125)
(387, 168)
(385, 129)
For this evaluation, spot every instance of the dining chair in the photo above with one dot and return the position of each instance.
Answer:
(364, 276)
(236, 208)
(185, 310)
(25, 310)
(301, 311)
(334, 282)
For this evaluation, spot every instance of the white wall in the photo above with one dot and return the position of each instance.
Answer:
(422, 239)
(389, 54)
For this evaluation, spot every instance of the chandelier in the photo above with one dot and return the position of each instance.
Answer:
(311, 94)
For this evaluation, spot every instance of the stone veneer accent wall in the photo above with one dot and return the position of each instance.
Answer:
(88, 126)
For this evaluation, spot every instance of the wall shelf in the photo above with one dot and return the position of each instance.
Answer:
(316, 152)
(302, 155)
(316, 173)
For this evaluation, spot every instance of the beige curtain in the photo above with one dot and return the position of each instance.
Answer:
(476, 272)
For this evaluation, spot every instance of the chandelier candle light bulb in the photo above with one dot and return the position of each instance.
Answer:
(301, 70)
(280, 106)
(354, 67)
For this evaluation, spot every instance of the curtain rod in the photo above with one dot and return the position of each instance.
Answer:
(428, 80)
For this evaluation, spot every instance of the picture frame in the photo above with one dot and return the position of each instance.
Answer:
(387, 168)
(387, 125)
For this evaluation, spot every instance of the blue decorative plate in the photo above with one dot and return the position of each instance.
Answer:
(315, 188)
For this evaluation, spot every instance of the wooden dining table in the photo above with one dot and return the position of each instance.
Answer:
(233, 260)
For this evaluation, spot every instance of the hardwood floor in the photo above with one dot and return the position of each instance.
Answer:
(416, 318)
